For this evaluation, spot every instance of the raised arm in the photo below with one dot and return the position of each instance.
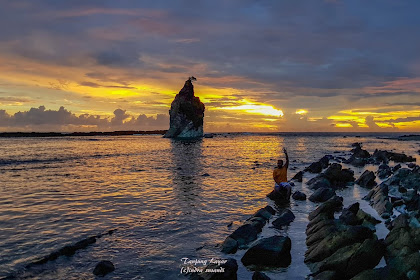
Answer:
(287, 158)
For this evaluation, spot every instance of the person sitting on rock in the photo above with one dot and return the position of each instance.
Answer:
(281, 186)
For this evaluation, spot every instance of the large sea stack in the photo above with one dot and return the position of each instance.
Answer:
(186, 114)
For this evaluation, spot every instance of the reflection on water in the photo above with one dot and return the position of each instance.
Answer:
(152, 190)
(186, 179)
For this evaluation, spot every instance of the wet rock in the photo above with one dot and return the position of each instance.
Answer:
(186, 114)
(279, 198)
(328, 208)
(271, 251)
(299, 195)
(337, 176)
(359, 156)
(333, 242)
(384, 171)
(406, 178)
(367, 179)
(103, 268)
(349, 215)
(322, 194)
(248, 232)
(379, 199)
(396, 167)
(69, 250)
(285, 218)
(260, 276)
(325, 275)
(265, 212)
(315, 167)
(318, 182)
(385, 156)
(298, 177)
(229, 246)
(353, 259)
(411, 165)
(245, 234)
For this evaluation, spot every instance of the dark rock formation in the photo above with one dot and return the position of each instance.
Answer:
(384, 171)
(186, 114)
(341, 248)
(379, 200)
(411, 165)
(333, 177)
(69, 250)
(338, 176)
(280, 198)
(103, 268)
(248, 232)
(359, 156)
(299, 195)
(316, 167)
(271, 251)
(285, 217)
(367, 179)
(322, 194)
(385, 156)
(298, 177)
(318, 182)
(259, 276)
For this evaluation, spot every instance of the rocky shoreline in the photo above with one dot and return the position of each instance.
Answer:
(341, 243)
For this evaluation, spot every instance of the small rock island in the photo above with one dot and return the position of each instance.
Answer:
(186, 114)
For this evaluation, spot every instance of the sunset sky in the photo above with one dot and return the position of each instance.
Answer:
(264, 65)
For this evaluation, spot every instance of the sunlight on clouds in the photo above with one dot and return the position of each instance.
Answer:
(301, 112)
(254, 108)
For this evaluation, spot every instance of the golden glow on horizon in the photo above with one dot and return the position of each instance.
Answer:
(301, 112)
(255, 108)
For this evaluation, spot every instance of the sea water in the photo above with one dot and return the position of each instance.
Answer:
(170, 201)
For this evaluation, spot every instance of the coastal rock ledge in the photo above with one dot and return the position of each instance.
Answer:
(186, 114)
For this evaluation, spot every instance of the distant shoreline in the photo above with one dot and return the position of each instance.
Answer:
(380, 135)
(63, 134)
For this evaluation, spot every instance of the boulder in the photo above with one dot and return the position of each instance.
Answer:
(359, 156)
(385, 156)
(353, 259)
(317, 182)
(384, 171)
(259, 276)
(396, 167)
(285, 217)
(367, 179)
(411, 165)
(337, 176)
(265, 212)
(103, 268)
(186, 114)
(245, 234)
(333, 242)
(298, 177)
(349, 215)
(314, 167)
(322, 194)
(272, 251)
(229, 246)
(328, 208)
(299, 195)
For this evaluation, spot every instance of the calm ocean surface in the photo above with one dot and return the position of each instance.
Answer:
(57, 191)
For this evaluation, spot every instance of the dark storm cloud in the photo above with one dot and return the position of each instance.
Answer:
(284, 44)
